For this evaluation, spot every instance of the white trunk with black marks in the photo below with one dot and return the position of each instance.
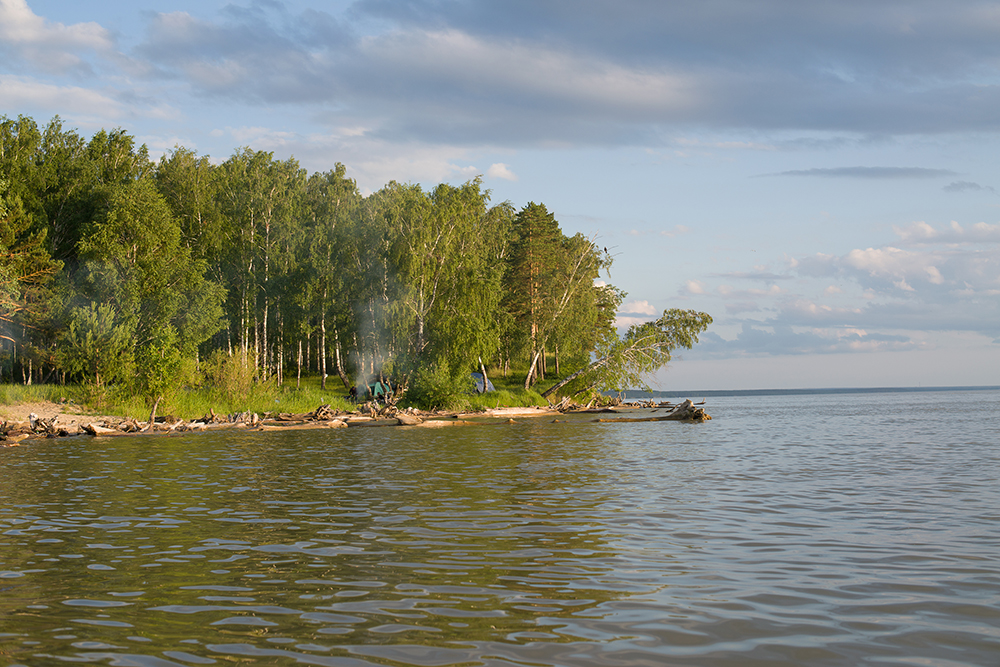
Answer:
(565, 381)
(486, 380)
(322, 343)
(531, 371)
(265, 357)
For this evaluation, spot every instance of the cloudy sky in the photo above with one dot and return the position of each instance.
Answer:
(821, 177)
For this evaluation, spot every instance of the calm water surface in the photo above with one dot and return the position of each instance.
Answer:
(805, 530)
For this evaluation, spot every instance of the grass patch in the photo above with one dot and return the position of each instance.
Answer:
(260, 397)
(188, 403)
(11, 394)
(510, 393)
(506, 398)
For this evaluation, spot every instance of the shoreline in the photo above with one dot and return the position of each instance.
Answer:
(35, 421)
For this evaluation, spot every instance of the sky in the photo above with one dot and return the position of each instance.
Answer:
(820, 177)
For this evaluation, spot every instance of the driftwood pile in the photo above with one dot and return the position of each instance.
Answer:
(684, 412)
(322, 417)
(368, 414)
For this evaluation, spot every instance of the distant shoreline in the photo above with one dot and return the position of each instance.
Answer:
(798, 392)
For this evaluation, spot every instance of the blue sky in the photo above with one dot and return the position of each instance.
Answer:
(821, 177)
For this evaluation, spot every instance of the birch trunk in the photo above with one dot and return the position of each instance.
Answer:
(322, 344)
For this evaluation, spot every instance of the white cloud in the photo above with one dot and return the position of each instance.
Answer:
(676, 231)
(694, 287)
(466, 173)
(517, 67)
(805, 309)
(638, 308)
(501, 170)
(896, 264)
(766, 339)
(24, 93)
(263, 138)
(922, 233)
(934, 273)
(44, 45)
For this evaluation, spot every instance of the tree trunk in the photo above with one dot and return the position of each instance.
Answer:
(256, 341)
(566, 380)
(265, 355)
(152, 413)
(340, 365)
(281, 364)
(486, 380)
(322, 345)
(686, 411)
(298, 376)
(531, 371)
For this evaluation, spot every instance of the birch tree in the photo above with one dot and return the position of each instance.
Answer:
(626, 362)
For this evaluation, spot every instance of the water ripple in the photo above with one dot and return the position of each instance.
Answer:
(802, 530)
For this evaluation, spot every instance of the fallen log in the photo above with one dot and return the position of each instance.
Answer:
(404, 419)
(686, 411)
(96, 429)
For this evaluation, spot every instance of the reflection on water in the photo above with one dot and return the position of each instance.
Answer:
(793, 530)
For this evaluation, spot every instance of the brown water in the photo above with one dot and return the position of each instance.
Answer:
(813, 530)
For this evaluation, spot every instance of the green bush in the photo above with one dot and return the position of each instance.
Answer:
(434, 386)
(232, 376)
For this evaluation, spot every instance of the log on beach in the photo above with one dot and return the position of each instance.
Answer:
(97, 429)
(404, 419)
(685, 412)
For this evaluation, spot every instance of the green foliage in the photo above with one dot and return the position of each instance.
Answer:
(96, 345)
(551, 295)
(506, 398)
(136, 265)
(26, 269)
(190, 185)
(229, 375)
(435, 386)
(12, 394)
(448, 273)
(261, 270)
(192, 403)
(625, 362)
(260, 199)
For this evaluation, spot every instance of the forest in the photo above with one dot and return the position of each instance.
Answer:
(144, 277)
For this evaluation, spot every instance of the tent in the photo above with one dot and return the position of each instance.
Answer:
(478, 379)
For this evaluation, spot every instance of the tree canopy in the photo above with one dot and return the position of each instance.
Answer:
(124, 273)
(625, 362)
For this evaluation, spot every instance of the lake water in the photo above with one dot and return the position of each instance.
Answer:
(790, 530)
